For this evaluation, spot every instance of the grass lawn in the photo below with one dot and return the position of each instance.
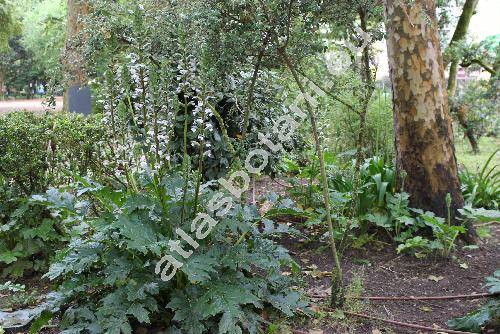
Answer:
(487, 145)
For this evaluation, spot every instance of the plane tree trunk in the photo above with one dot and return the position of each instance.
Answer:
(422, 123)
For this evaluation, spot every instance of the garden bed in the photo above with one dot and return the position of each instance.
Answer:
(384, 273)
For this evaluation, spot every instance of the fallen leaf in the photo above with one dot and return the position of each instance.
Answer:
(315, 273)
(435, 278)
(426, 309)
(464, 265)
(376, 331)
(420, 255)
(286, 273)
(315, 308)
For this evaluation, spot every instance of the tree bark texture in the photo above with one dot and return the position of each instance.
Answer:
(422, 123)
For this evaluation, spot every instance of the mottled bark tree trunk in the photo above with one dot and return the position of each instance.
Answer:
(422, 123)
(73, 58)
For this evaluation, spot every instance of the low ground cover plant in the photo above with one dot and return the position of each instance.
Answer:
(379, 207)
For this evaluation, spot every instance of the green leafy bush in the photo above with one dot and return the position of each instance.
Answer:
(375, 194)
(37, 152)
(23, 151)
(107, 274)
(379, 207)
(445, 235)
(24, 237)
(342, 124)
(481, 100)
(378, 180)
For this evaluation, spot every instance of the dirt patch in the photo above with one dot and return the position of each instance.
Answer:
(384, 273)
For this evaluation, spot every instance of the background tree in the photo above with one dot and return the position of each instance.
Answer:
(10, 25)
(423, 129)
(73, 59)
(43, 34)
(459, 35)
(20, 74)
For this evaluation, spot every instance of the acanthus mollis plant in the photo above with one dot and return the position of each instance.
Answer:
(139, 109)
(158, 58)
(106, 276)
(160, 115)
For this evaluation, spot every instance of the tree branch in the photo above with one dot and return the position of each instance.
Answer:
(327, 92)
(255, 75)
(480, 63)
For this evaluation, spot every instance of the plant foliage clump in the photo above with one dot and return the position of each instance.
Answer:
(107, 277)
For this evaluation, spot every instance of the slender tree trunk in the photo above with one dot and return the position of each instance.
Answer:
(337, 289)
(2, 86)
(369, 87)
(255, 75)
(462, 27)
(459, 34)
(73, 61)
(461, 111)
(422, 123)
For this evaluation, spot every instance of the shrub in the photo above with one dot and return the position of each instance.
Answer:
(342, 125)
(25, 232)
(23, 151)
(481, 100)
(37, 152)
(379, 207)
(445, 235)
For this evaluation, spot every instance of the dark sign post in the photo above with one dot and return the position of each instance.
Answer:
(79, 100)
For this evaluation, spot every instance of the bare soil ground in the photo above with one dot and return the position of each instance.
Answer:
(382, 272)
(34, 105)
